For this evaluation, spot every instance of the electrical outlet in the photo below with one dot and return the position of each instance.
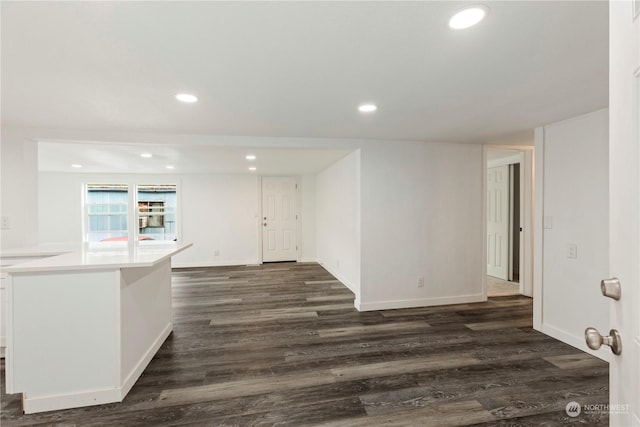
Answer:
(5, 223)
(421, 282)
(216, 252)
(572, 250)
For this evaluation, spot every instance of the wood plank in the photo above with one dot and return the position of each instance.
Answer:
(447, 414)
(574, 361)
(399, 367)
(500, 324)
(249, 387)
(368, 329)
(259, 318)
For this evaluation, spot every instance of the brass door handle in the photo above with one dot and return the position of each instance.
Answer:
(611, 288)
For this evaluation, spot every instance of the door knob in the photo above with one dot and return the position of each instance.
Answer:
(595, 340)
(611, 288)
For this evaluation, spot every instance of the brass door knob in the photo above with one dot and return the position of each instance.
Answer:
(595, 340)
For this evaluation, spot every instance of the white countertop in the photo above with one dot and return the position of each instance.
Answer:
(101, 256)
(42, 250)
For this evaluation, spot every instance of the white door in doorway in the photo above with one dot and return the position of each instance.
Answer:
(624, 216)
(279, 219)
(498, 221)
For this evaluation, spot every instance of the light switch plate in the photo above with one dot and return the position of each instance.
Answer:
(572, 250)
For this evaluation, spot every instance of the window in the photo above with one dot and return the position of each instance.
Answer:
(106, 212)
(157, 212)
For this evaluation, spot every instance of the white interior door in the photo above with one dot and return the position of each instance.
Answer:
(498, 221)
(624, 190)
(278, 219)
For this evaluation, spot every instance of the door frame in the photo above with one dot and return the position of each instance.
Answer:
(296, 203)
(526, 160)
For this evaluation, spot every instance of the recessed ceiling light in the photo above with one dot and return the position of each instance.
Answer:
(468, 17)
(170, 167)
(146, 155)
(252, 168)
(186, 97)
(75, 165)
(250, 157)
(367, 108)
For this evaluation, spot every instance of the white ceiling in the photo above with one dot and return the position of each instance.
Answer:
(125, 158)
(299, 69)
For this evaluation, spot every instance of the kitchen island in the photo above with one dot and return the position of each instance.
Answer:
(82, 326)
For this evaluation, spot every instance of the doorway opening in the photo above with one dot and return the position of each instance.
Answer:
(508, 221)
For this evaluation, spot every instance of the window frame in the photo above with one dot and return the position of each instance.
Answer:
(132, 206)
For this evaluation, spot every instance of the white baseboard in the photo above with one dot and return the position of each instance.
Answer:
(31, 405)
(422, 302)
(338, 276)
(142, 364)
(224, 263)
(574, 341)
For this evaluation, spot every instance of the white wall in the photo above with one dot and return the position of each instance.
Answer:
(19, 192)
(421, 217)
(216, 212)
(572, 176)
(338, 220)
(220, 212)
(307, 218)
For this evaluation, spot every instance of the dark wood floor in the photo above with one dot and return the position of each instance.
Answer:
(281, 344)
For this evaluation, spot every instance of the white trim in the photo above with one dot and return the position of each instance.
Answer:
(307, 260)
(225, 263)
(424, 302)
(515, 158)
(338, 276)
(259, 223)
(539, 231)
(529, 224)
(31, 405)
(484, 217)
(511, 221)
(132, 202)
(142, 364)
(298, 204)
(8, 354)
(525, 157)
(574, 341)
